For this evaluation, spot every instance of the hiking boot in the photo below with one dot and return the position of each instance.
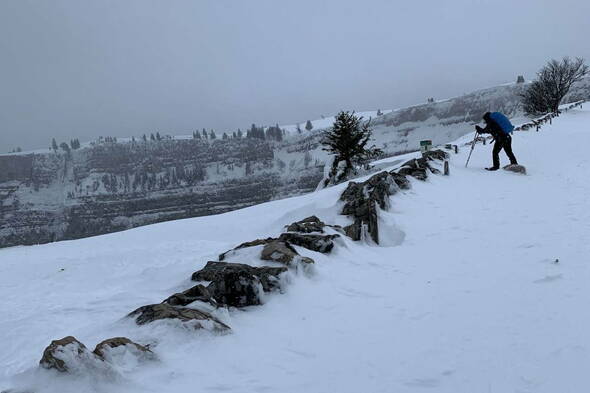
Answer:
(492, 168)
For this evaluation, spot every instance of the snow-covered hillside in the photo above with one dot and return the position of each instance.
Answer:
(485, 291)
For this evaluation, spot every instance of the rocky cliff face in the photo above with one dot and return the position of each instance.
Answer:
(106, 187)
(114, 186)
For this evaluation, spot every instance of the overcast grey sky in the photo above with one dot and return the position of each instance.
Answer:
(79, 68)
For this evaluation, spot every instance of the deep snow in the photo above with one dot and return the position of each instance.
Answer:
(472, 300)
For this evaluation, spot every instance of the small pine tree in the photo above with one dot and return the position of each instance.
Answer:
(239, 133)
(152, 137)
(144, 137)
(234, 135)
(204, 134)
(53, 144)
(212, 135)
(224, 136)
(158, 136)
(308, 126)
(347, 140)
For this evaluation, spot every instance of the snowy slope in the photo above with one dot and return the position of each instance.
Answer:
(471, 301)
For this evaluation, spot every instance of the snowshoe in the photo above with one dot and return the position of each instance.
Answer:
(516, 168)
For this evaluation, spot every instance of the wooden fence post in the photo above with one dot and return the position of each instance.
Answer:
(446, 168)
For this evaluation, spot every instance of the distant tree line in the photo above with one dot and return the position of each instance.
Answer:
(272, 133)
(73, 145)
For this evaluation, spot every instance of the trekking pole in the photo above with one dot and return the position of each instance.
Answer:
(471, 151)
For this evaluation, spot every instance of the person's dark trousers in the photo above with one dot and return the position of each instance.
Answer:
(503, 142)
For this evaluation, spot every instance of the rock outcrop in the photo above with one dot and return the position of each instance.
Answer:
(361, 201)
(112, 347)
(307, 225)
(283, 252)
(419, 167)
(154, 312)
(68, 355)
(252, 243)
(237, 284)
(193, 294)
(60, 354)
(314, 242)
(401, 180)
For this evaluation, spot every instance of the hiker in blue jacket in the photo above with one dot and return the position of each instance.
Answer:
(500, 127)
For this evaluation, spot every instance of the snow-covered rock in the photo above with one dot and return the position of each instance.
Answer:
(283, 252)
(199, 319)
(237, 284)
(71, 356)
(123, 353)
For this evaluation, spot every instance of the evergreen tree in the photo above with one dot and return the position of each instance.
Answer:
(212, 135)
(347, 140)
(64, 146)
(53, 144)
(239, 133)
(204, 134)
(158, 137)
(144, 137)
(308, 126)
(299, 129)
(152, 137)
(234, 135)
(224, 136)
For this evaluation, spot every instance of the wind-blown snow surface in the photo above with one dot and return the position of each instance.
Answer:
(472, 300)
